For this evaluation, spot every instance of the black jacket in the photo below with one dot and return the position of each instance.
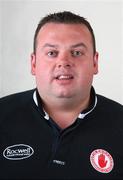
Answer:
(32, 147)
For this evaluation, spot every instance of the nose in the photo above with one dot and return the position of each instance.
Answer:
(64, 61)
(64, 65)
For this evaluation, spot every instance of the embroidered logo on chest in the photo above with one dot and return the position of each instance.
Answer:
(102, 161)
(18, 152)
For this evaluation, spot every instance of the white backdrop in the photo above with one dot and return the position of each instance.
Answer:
(18, 21)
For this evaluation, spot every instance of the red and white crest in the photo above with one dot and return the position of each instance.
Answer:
(102, 161)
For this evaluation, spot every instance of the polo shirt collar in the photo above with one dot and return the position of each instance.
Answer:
(37, 100)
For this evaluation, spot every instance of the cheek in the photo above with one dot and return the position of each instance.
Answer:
(43, 73)
(85, 72)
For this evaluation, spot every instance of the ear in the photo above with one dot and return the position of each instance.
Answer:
(95, 61)
(33, 64)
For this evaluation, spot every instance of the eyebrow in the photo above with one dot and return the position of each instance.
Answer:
(50, 45)
(72, 46)
(79, 45)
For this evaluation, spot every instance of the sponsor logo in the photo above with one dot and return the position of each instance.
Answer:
(102, 161)
(18, 152)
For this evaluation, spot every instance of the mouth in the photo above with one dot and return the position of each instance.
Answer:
(64, 77)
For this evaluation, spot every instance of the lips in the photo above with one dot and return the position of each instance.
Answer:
(64, 77)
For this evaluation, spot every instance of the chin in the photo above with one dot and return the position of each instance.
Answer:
(63, 93)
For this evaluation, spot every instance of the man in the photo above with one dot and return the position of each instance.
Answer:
(62, 129)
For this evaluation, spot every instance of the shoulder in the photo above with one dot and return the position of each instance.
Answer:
(108, 104)
(16, 99)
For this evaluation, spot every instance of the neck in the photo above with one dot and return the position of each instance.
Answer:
(63, 112)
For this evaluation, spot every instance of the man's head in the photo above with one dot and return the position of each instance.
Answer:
(64, 58)
(65, 17)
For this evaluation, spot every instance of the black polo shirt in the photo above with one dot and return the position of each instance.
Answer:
(34, 147)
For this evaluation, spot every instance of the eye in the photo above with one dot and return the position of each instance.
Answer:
(52, 53)
(76, 53)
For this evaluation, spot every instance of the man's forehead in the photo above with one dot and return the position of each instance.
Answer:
(69, 35)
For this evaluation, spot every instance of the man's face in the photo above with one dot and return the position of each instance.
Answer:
(64, 62)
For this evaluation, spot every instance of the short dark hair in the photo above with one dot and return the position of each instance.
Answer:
(64, 17)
